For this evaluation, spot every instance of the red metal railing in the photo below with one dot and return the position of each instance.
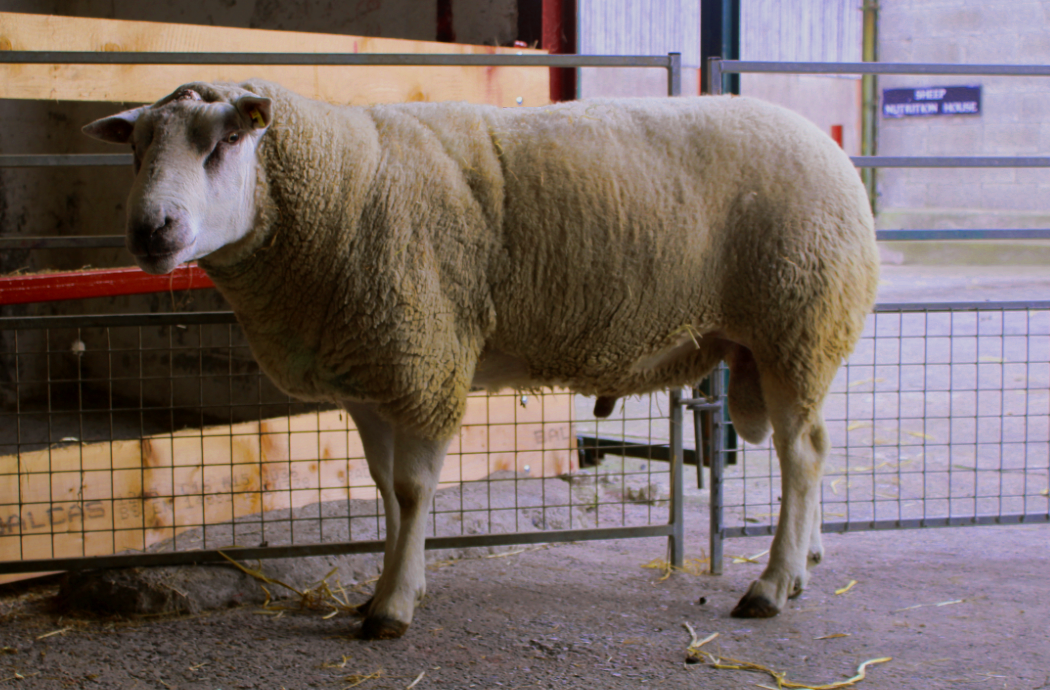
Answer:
(107, 282)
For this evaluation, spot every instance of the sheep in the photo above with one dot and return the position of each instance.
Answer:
(391, 258)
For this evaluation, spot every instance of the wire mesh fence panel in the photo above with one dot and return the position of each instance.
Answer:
(940, 417)
(167, 437)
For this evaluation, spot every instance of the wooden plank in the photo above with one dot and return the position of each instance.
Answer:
(346, 85)
(102, 498)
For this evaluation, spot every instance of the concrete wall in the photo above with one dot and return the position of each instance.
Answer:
(638, 27)
(806, 31)
(1015, 117)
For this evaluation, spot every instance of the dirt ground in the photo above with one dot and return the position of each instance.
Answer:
(954, 608)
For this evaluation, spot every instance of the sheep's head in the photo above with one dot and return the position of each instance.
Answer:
(195, 171)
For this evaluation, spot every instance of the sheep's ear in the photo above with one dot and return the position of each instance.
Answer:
(115, 129)
(256, 110)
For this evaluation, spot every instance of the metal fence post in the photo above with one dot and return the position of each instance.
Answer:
(702, 452)
(674, 74)
(675, 541)
(714, 76)
(717, 446)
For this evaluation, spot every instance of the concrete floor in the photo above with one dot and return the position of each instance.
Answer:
(915, 283)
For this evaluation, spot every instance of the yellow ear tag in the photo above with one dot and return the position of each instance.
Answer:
(257, 118)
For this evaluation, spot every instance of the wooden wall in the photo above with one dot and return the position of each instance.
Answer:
(344, 85)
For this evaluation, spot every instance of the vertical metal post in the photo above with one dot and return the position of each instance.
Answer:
(676, 541)
(731, 42)
(674, 74)
(698, 440)
(714, 78)
(717, 465)
(870, 95)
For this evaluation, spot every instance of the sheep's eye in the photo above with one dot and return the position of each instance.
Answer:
(233, 138)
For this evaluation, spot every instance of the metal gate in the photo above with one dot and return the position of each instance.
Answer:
(219, 458)
(940, 417)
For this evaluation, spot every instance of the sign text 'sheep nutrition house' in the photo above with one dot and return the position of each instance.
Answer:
(934, 100)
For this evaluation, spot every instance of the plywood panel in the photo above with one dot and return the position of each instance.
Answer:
(345, 85)
(101, 498)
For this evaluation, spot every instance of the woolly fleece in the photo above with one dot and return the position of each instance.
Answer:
(612, 247)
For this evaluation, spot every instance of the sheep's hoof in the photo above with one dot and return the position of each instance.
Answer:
(382, 628)
(755, 606)
(362, 609)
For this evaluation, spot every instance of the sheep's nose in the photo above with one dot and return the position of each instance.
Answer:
(149, 238)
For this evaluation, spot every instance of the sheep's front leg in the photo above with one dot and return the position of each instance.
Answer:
(377, 437)
(801, 442)
(407, 470)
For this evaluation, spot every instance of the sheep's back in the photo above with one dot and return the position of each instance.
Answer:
(628, 223)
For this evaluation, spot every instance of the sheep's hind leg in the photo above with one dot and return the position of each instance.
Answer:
(801, 442)
(377, 437)
(816, 544)
(416, 468)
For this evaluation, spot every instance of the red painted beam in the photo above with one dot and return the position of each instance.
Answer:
(106, 282)
(559, 36)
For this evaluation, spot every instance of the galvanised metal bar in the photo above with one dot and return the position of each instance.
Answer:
(48, 160)
(96, 242)
(117, 320)
(334, 548)
(51, 57)
(698, 441)
(718, 458)
(972, 234)
(1034, 305)
(676, 517)
(717, 534)
(118, 241)
(714, 78)
(746, 66)
(122, 159)
(951, 161)
(674, 74)
(912, 523)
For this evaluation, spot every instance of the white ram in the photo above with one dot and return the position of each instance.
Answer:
(390, 258)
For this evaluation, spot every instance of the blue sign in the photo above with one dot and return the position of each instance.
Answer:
(935, 100)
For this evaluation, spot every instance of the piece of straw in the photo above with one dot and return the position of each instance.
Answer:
(847, 588)
(356, 679)
(779, 676)
(690, 566)
(749, 559)
(54, 632)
